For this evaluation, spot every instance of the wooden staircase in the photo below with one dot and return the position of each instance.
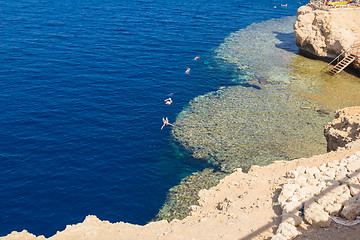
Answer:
(348, 55)
(342, 64)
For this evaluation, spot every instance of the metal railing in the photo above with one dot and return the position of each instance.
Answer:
(353, 49)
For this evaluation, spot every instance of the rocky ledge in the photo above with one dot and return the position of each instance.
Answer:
(326, 32)
(343, 129)
(319, 194)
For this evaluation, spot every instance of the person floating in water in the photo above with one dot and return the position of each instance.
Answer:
(196, 58)
(166, 122)
(284, 5)
(187, 71)
(168, 101)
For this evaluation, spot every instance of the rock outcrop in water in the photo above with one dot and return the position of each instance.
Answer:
(326, 32)
(343, 129)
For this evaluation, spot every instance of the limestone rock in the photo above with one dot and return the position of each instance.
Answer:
(301, 169)
(292, 219)
(307, 192)
(320, 33)
(286, 231)
(302, 180)
(323, 168)
(351, 208)
(24, 235)
(341, 174)
(312, 171)
(224, 205)
(287, 191)
(315, 215)
(279, 237)
(354, 186)
(292, 174)
(354, 166)
(344, 128)
(343, 162)
(292, 207)
(333, 200)
(330, 173)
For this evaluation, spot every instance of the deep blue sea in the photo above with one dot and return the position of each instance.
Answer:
(82, 89)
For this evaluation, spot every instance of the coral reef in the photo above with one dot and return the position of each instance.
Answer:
(182, 196)
(240, 127)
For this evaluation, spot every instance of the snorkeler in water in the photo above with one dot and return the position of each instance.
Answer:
(166, 122)
(168, 101)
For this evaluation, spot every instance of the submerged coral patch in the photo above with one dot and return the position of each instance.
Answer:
(262, 119)
(182, 196)
(240, 127)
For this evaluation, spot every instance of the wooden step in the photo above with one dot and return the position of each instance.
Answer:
(342, 64)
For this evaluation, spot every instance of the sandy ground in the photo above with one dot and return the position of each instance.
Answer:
(242, 206)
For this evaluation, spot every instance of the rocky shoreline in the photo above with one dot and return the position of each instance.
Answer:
(319, 195)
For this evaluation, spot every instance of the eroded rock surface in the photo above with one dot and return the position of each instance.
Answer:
(343, 129)
(316, 196)
(320, 31)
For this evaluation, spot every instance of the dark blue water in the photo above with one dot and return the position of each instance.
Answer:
(82, 85)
